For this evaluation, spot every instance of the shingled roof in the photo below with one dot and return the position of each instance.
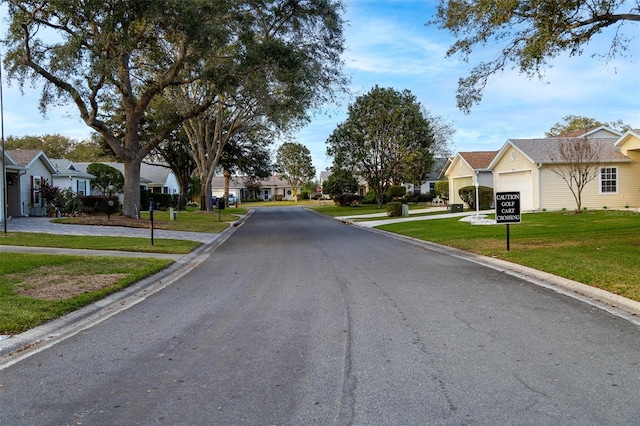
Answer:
(25, 157)
(478, 160)
(542, 150)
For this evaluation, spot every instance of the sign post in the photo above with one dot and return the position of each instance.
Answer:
(151, 219)
(508, 209)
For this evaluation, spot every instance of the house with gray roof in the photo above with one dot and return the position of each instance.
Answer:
(68, 176)
(155, 177)
(530, 166)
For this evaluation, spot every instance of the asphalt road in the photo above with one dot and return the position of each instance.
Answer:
(297, 319)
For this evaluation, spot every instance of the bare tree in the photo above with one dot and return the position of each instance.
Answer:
(577, 161)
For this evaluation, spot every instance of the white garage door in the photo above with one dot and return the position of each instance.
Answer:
(518, 181)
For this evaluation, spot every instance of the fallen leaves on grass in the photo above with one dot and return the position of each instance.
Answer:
(51, 283)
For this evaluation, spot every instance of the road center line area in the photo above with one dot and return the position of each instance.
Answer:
(294, 318)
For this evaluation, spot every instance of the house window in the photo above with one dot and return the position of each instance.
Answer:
(416, 190)
(608, 180)
(35, 191)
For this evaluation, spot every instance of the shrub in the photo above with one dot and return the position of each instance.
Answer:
(395, 192)
(370, 198)
(347, 200)
(468, 195)
(394, 208)
(99, 204)
(442, 189)
(420, 198)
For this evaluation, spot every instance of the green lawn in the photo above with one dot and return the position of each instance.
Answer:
(187, 220)
(36, 289)
(160, 245)
(330, 209)
(598, 248)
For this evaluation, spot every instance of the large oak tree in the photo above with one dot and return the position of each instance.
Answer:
(385, 140)
(113, 58)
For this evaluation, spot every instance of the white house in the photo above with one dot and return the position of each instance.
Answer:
(240, 187)
(429, 184)
(68, 176)
(154, 177)
(161, 179)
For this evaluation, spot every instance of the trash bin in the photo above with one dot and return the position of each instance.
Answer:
(455, 208)
(173, 214)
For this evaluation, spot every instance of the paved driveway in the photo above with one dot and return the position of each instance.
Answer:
(45, 225)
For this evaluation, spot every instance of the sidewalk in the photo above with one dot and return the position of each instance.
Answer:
(373, 223)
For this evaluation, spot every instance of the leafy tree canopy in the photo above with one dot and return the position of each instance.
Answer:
(105, 176)
(295, 165)
(531, 32)
(54, 146)
(340, 182)
(572, 123)
(385, 140)
(113, 59)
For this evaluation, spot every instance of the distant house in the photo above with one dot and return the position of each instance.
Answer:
(467, 168)
(27, 170)
(68, 176)
(525, 165)
(242, 188)
(157, 178)
(429, 184)
(161, 178)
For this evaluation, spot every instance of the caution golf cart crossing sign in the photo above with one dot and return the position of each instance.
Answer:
(508, 207)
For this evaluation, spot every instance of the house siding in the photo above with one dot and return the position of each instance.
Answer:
(461, 175)
(36, 169)
(557, 195)
(561, 197)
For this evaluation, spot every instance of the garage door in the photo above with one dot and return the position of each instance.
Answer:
(518, 181)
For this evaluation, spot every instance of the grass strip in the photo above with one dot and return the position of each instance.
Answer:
(160, 245)
(597, 248)
(35, 289)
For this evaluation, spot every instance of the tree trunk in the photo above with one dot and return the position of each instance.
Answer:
(205, 194)
(226, 174)
(131, 204)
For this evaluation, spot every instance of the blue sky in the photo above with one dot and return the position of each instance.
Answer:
(388, 44)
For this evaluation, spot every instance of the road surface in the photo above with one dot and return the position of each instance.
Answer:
(297, 319)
